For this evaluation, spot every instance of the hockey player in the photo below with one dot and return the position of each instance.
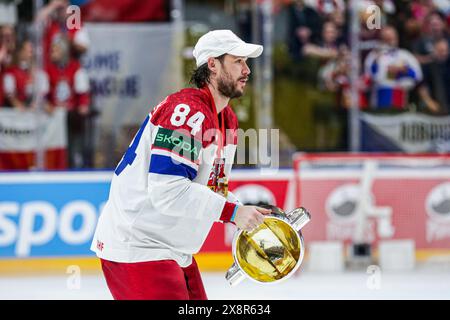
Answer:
(171, 184)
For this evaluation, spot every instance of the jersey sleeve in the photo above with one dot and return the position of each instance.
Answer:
(414, 71)
(233, 199)
(177, 146)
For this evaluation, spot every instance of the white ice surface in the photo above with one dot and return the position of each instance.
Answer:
(427, 284)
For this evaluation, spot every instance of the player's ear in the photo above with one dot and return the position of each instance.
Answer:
(212, 64)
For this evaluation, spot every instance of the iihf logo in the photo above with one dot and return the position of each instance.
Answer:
(437, 206)
(341, 207)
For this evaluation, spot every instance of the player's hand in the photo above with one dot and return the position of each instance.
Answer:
(250, 217)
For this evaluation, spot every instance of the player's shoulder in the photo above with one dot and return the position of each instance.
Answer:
(231, 125)
(187, 109)
(193, 97)
(231, 120)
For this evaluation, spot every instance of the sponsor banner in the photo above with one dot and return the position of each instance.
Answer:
(407, 132)
(50, 214)
(128, 81)
(19, 129)
(22, 131)
(55, 214)
(420, 204)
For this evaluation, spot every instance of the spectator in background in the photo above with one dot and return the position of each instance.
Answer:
(392, 72)
(326, 8)
(23, 82)
(334, 77)
(2, 58)
(329, 10)
(7, 49)
(370, 36)
(435, 89)
(434, 29)
(69, 89)
(328, 46)
(54, 16)
(304, 26)
(3, 63)
(327, 113)
(420, 9)
(8, 41)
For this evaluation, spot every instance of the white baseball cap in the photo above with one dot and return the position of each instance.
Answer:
(218, 42)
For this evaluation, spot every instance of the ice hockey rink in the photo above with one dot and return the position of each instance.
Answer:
(421, 284)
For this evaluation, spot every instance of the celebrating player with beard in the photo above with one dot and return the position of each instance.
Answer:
(171, 184)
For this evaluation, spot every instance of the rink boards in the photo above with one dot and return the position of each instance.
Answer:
(47, 219)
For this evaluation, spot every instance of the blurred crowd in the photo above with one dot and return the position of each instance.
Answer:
(404, 59)
(51, 80)
(404, 53)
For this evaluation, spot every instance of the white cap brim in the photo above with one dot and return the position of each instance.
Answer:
(248, 50)
(218, 42)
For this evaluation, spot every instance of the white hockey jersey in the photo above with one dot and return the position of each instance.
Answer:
(162, 201)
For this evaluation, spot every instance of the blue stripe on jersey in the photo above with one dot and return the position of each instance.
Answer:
(130, 154)
(167, 165)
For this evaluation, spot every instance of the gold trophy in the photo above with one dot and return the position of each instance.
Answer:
(273, 251)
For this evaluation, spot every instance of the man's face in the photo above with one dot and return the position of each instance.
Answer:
(389, 36)
(8, 37)
(56, 53)
(436, 24)
(329, 32)
(441, 50)
(232, 76)
(26, 52)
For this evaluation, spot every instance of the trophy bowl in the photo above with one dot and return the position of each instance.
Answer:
(273, 251)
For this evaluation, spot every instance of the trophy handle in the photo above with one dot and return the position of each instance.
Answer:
(299, 217)
(234, 275)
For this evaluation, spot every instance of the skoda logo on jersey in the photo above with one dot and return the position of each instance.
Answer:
(342, 203)
(253, 194)
(438, 202)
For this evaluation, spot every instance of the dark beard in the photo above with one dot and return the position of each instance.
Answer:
(227, 88)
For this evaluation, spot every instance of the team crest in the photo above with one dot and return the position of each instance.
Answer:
(218, 182)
